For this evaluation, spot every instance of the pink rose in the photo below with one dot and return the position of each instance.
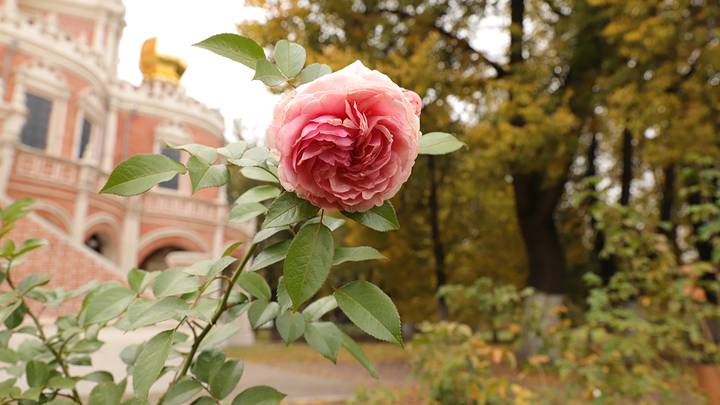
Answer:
(347, 140)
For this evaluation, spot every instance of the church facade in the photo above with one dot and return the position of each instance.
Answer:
(66, 120)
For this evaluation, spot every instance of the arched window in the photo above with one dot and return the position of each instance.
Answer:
(157, 260)
(102, 244)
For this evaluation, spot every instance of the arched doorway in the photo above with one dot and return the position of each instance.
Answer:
(157, 259)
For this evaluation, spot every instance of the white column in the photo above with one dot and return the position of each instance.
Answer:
(99, 33)
(14, 119)
(81, 203)
(56, 130)
(130, 235)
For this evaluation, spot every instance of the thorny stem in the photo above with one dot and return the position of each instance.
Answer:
(41, 333)
(218, 312)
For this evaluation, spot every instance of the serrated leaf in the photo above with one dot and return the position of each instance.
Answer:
(233, 150)
(382, 218)
(313, 71)
(106, 393)
(140, 173)
(259, 395)
(150, 362)
(226, 378)
(182, 391)
(290, 326)
(266, 233)
(174, 282)
(261, 312)
(105, 304)
(140, 279)
(270, 255)
(236, 47)
(331, 222)
(289, 58)
(325, 338)
(438, 143)
(258, 194)
(207, 363)
(203, 175)
(371, 310)
(205, 153)
(259, 174)
(255, 284)
(356, 254)
(308, 262)
(268, 73)
(320, 307)
(141, 314)
(356, 351)
(244, 212)
(288, 209)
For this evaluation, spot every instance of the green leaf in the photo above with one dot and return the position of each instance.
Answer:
(105, 304)
(255, 156)
(317, 309)
(262, 312)
(290, 325)
(203, 175)
(236, 47)
(207, 363)
(130, 353)
(30, 245)
(233, 150)
(259, 395)
(325, 338)
(258, 194)
(205, 153)
(204, 400)
(36, 373)
(371, 310)
(227, 377)
(140, 279)
(259, 174)
(150, 362)
(244, 212)
(271, 255)
(313, 71)
(106, 393)
(356, 254)
(288, 209)
(308, 262)
(382, 218)
(98, 376)
(266, 233)
(289, 57)
(145, 313)
(5, 312)
(268, 73)
(61, 383)
(356, 351)
(438, 143)
(182, 392)
(140, 173)
(219, 334)
(16, 317)
(331, 222)
(255, 284)
(282, 296)
(174, 282)
(232, 248)
(33, 280)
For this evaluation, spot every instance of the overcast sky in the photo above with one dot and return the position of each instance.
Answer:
(216, 81)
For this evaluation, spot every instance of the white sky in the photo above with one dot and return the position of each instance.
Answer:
(214, 80)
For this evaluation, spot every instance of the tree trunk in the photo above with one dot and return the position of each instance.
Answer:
(437, 243)
(667, 204)
(627, 168)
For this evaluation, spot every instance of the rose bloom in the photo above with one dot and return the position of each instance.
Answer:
(347, 140)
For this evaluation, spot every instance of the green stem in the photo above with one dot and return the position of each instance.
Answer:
(42, 335)
(218, 312)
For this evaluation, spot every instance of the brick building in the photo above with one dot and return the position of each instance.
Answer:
(66, 120)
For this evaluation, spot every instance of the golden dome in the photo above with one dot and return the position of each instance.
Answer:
(160, 67)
